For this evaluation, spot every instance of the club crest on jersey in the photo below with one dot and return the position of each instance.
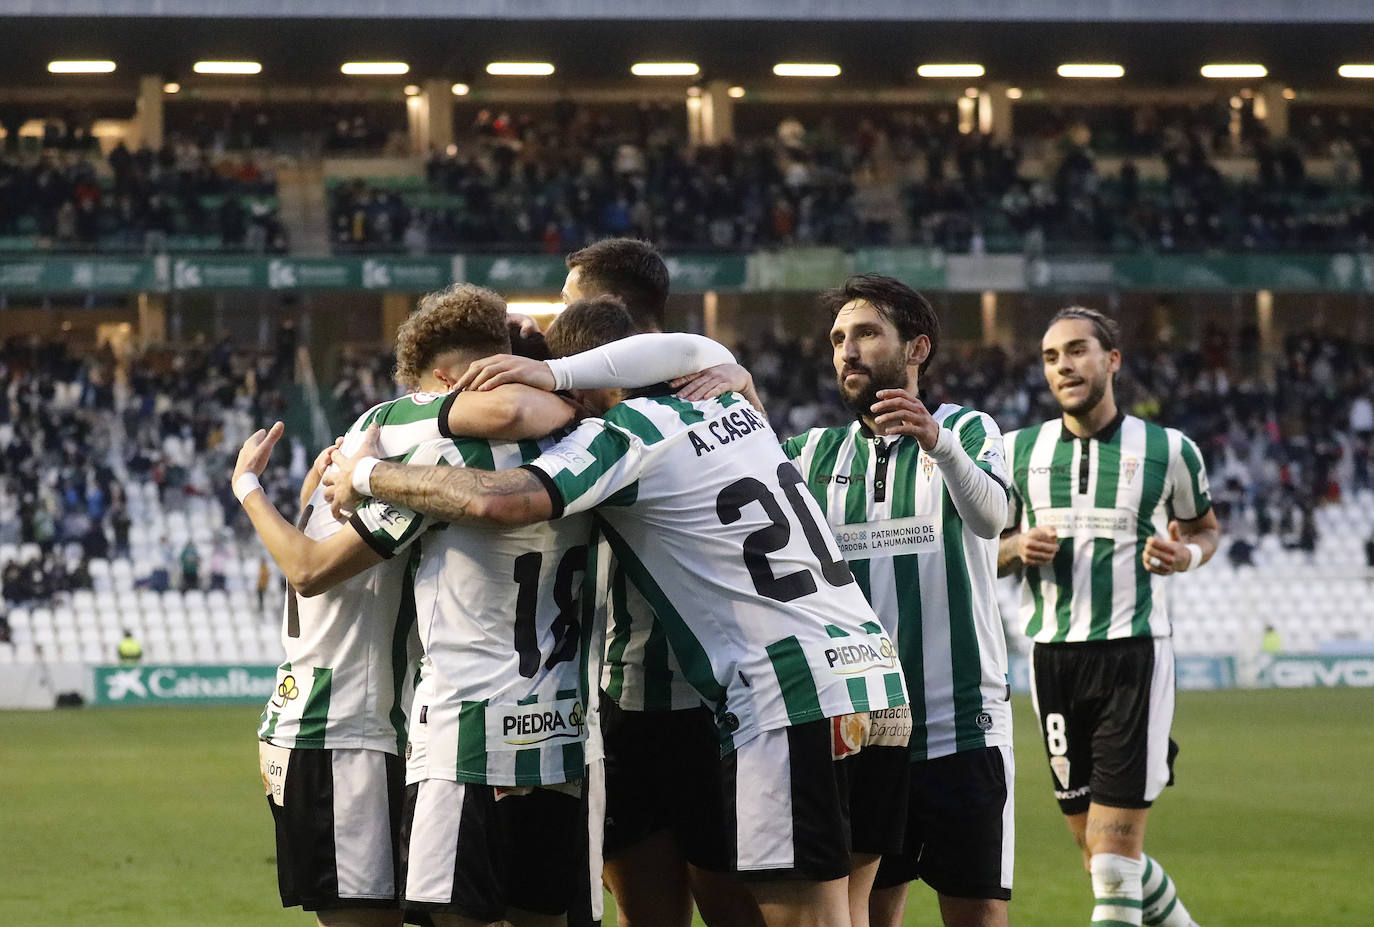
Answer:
(1129, 467)
(851, 656)
(286, 691)
(1060, 765)
(927, 465)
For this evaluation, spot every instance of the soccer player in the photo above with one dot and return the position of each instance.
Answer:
(450, 329)
(331, 735)
(710, 521)
(666, 843)
(1104, 506)
(917, 500)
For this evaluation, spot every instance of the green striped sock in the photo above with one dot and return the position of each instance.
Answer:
(1161, 906)
(1116, 890)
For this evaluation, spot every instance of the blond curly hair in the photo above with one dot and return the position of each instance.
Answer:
(461, 317)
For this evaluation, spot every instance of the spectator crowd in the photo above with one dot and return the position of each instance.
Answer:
(554, 183)
(139, 200)
(77, 440)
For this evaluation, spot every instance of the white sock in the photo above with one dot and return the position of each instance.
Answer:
(1116, 890)
(1161, 906)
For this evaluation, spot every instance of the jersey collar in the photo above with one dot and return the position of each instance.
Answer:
(1105, 433)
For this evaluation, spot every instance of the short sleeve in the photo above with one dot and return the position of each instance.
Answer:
(794, 446)
(982, 441)
(590, 466)
(389, 529)
(1015, 504)
(1189, 494)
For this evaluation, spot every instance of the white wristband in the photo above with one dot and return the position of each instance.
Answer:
(362, 475)
(246, 483)
(1196, 560)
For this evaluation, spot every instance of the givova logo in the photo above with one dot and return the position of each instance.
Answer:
(1302, 672)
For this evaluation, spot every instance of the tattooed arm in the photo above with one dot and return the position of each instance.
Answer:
(506, 497)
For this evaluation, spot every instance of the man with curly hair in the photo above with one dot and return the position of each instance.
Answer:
(332, 735)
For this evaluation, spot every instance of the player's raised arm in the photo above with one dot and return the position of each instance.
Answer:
(509, 413)
(970, 462)
(310, 566)
(630, 363)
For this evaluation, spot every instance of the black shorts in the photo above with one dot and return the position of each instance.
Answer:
(475, 850)
(959, 826)
(663, 773)
(877, 798)
(1105, 708)
(337, 825)
(790, 804)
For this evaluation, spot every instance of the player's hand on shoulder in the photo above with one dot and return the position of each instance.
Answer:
(322, 459)
(712, 382)
(898, 412)
(500, 369)
(343, 499)
(1037, 546)
(257, 449)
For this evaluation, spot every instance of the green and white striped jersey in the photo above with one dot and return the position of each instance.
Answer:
(929, 577)
(712, 523)
(351, 651)
(1104, 496)
(503, 693)
(640, 672)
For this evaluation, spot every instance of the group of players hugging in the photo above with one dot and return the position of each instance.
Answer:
(570, 613)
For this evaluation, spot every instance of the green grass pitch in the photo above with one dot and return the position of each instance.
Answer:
(147, 817)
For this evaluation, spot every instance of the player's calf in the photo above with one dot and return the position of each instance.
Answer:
(1161, 906)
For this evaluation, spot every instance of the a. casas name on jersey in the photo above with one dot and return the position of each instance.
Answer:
(731, 426)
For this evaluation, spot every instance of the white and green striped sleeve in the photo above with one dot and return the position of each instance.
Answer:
(1015, 504)
(389, 529)
(982, 441)
(589, 467)
(1188, 492)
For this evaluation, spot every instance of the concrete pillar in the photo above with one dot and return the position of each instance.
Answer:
(1264, 321)
(696, 132)
(1275, 109)
(438, 97)
(719, 112)
(994, 113)
(152, 319)
(148, 118)
(395, 310)
(710, 313)
(417, 123)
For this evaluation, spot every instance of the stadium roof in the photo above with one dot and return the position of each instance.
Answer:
(310, 52)
(1219, 11)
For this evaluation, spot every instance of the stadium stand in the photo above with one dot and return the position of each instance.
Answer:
(113, 481)
(178, 198)
(552, 183)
